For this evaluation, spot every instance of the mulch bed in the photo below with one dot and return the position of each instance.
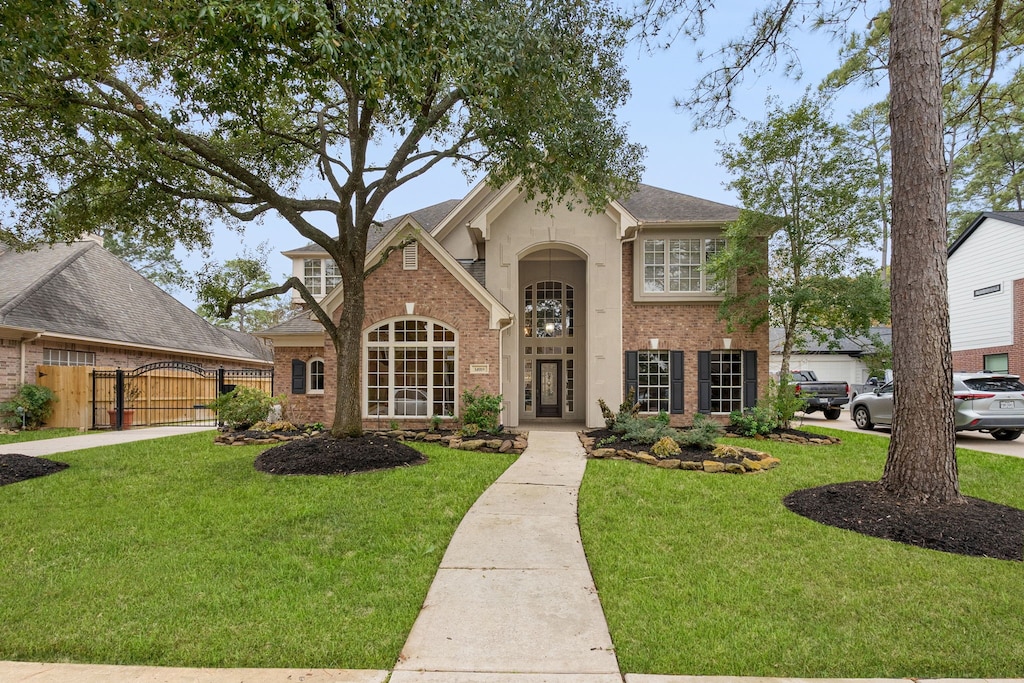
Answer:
(616, 442)
(325, 454)
(977, 528)
(730, 430)
(15, 467)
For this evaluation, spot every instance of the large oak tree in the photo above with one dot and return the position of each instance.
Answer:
(156, 117)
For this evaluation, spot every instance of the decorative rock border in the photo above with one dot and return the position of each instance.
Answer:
(455, 441)
(751, 460)
(816, 440)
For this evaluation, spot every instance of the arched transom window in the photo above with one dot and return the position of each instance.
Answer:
(548, 310)
(410, 369)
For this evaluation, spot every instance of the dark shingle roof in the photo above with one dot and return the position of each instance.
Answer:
(477, 268)
(297, 325)
(82, 290)
(427, 217)
(844, 345)
(654, 205)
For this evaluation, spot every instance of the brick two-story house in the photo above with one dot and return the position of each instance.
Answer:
(553, 310)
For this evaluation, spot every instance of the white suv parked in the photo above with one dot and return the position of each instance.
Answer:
(984, 402)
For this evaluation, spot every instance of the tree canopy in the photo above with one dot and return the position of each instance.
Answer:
(803, 188)
(154, 118)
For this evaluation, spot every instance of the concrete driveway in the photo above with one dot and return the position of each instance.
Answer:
(975, 441)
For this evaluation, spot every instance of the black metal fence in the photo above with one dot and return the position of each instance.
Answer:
(166, 393)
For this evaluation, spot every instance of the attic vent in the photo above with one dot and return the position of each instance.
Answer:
(410, 256)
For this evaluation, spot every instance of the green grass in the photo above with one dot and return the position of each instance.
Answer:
(711, 575)
(177, 552)
(38, 434)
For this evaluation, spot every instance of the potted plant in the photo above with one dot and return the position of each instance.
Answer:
(132, 392)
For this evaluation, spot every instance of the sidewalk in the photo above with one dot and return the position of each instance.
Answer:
(94, 440)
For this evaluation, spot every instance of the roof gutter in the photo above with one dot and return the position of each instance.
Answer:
(24, 364)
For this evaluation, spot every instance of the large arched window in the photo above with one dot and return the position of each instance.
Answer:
(410, 369)
(548, 310)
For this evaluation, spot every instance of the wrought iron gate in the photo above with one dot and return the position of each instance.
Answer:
(166, 393)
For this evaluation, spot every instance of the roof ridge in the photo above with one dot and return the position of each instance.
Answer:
(41, 282)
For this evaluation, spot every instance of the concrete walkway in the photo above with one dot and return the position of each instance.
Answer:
(514, 594)
(94, 440)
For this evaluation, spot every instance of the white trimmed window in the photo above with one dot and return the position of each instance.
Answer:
(320, 275)
(315, 383)
(653, 381)
(675, 267)
(65, 357)
(726, 381)
(410, 369)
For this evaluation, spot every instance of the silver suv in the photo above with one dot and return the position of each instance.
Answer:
(984, 402)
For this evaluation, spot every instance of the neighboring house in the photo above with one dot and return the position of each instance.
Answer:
(986, 294)
(841, 361)
(78, 304)
(552, 310)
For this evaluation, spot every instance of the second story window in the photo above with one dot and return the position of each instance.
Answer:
(678, 265)
(320, 275)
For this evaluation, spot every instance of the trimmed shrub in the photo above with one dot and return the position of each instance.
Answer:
(35, 404)
(665, 447)
(702, 434)
(482, 409)
(243, 406)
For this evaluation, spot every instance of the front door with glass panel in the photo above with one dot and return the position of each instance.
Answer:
(549, 388)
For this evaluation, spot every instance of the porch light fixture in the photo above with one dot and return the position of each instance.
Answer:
(549, 328)
(653, 343)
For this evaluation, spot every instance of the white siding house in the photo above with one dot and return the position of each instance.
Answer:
(986, 278)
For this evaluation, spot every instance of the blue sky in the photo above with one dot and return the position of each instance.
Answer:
(678, 158)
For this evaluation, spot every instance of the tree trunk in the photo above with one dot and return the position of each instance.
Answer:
(922, 452)
(348, 419)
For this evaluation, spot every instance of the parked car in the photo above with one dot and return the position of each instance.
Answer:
(828, 397)
(984, 402)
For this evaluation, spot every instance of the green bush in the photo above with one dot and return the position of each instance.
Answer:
(243, 406)
(754, 421)
(702, 434)
(644, 430)
(35, 402)
(482, 409)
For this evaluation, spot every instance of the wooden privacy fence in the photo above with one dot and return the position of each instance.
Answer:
(164, 393)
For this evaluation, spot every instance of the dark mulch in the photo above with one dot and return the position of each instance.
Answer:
(15, 467)
(730, 430)
(619, 444)
(978, 528)
(325, 454)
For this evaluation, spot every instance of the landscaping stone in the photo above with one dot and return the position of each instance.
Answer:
(603, 453)
(454, 441)
(646, 457)
(713, 466)
(669, 464)
(472, 445)
(734, 468)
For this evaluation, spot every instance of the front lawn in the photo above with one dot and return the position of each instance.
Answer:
(709, 574)
(178, 552)
(38, 434)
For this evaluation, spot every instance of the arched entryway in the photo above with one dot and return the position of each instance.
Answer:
(552, 343)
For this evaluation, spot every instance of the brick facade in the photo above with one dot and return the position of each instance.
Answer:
(973, 360)
(436, 294)
(687, 327)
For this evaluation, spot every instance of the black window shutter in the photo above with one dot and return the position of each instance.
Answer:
(675, 366)
(631, 373)
(749, 379)
(298, 376)
(704, 381)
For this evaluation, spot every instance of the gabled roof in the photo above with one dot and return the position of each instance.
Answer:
(1016, 217)
(427, 218)
(82, 291)
(300, 324)
(650, 204)
(846, 346)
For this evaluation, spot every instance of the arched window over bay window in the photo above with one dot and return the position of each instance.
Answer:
(410, 369)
